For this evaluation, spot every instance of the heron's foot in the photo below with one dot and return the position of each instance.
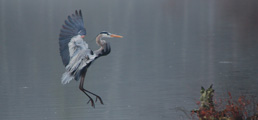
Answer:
(92, 102)
(97, 97)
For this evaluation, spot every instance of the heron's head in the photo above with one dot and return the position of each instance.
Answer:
(105, 34)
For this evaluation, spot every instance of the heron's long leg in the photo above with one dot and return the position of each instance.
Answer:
(84, 91)
(97, 97)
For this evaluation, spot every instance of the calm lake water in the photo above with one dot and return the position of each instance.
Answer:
(170, 49)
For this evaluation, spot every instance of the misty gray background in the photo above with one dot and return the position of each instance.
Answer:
(170, 49)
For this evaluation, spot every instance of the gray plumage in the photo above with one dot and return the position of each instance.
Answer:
(80, 56)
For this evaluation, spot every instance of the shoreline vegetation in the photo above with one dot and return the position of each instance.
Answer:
(244, 107)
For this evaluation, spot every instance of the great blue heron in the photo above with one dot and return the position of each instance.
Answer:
(75, 53)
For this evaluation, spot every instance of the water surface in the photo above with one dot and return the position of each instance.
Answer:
(170, 48)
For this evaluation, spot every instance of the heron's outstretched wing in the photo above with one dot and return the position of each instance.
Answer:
(73, 49)
(72, 27)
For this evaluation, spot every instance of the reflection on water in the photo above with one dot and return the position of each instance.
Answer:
(170, 48)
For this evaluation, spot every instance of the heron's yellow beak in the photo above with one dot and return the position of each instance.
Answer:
(117, 36)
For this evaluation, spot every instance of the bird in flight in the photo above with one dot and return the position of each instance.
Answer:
(75, 53)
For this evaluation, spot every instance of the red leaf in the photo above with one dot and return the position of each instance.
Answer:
(229, 94)
(239, 99)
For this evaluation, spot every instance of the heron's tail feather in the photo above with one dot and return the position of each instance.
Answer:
(67, 77)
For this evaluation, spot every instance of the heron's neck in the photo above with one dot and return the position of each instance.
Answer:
(99, 41)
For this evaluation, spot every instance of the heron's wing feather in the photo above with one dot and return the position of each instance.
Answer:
(80, 56)
(72, 27)
(80, 59)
